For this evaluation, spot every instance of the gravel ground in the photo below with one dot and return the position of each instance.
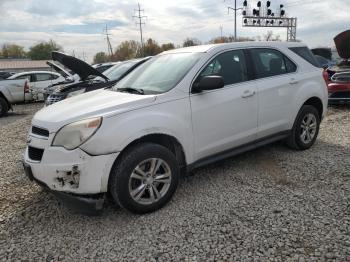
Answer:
(269, 204)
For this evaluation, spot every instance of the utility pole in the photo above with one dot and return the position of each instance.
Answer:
(221, 27)
(109, 46)
(235, 9)
(140, 23)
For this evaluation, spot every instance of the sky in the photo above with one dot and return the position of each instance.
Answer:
(77, 25)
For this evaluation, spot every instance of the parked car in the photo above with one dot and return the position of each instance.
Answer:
(70, 77)
(104, 66)
(95, 80)
(323, 62)
(179, 110)
(5, 74)
(338, 76)
(26, 86)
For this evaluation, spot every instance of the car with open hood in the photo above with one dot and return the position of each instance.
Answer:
(90, 78)
(179, 110)
(338, 76)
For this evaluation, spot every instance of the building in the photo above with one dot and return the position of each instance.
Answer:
(22, 65)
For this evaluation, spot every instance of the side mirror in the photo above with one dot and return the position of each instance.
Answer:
(208, 83)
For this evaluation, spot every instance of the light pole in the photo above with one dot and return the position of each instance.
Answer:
(235, 9)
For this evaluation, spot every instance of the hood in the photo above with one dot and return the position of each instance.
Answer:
(81, 68)
(59, 69)
(91, 104)
(342, 43)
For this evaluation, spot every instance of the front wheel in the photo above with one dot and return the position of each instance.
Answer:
(305, 128)
(145, 178)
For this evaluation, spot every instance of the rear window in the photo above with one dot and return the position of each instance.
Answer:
(270, 62)
(305, 53)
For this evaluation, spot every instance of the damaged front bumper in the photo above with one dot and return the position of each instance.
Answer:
(78, 179)
(88, 204)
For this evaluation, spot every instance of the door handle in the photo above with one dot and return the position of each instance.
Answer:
(248, 93)
(293, 81)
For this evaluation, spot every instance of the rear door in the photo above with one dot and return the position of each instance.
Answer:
(276, 80)
(226, 117)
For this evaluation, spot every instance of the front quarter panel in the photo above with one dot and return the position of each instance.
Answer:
(166, 117)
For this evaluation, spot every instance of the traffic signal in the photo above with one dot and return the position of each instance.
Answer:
(245, 21)
(269, 11)
(283, 12)
(244, 12)
(259, 4)
(268, 3)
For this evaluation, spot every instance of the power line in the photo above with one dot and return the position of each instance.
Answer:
(140, 23)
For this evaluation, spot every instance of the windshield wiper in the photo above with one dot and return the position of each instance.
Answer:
(131, 90)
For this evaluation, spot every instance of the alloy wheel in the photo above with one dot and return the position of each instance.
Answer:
(308, 128)
(150, 181)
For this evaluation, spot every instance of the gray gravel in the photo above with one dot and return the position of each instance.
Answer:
(270, 204)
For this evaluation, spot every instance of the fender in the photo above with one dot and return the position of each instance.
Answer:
(121, 130)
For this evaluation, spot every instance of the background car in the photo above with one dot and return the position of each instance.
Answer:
(338, 76)
(4, 75)
(104, 66)
(95, 79)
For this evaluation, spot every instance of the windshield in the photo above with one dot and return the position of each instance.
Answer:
(159, 74)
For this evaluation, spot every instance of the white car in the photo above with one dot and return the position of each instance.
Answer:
(25, 86)
(180, 110)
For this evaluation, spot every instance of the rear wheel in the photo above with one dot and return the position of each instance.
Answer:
(305, 128)
(145, 178)
(3, 107)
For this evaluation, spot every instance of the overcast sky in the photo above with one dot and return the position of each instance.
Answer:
(78, 24)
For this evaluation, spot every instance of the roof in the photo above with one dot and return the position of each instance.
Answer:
(207, 48)
(22, 64)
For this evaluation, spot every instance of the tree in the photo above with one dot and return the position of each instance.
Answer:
(151, 48)
(100, 57)
(168, 46)
(271, 37)
(126, 50)
(43, 50)
(191, 42)
(12, 51)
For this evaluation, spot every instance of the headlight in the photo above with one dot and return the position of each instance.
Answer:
(75, 93)
(75, 134)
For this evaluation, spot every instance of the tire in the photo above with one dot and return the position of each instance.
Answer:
(298, 138)
(3, 107)
(132, 173)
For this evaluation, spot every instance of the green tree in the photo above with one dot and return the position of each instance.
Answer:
(100, 57)
(43, 50)
(168, 46)
(191, 42)
(126, 50)
(12, 51)
(151, 48)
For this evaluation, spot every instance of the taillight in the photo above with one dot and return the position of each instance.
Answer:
(325, 76)
(26, 87)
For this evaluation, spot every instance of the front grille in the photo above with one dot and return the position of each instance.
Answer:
(40, 131)
(54, 99)
(35, 154)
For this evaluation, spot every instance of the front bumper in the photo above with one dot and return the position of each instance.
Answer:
(339, 96)
(89, 204)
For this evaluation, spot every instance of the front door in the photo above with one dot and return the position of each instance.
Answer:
(225, 118)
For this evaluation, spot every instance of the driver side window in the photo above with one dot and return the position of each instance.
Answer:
(231, 66)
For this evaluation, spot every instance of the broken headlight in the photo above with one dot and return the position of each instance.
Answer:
(75, 134)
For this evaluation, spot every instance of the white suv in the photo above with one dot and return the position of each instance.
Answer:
(180, 110)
